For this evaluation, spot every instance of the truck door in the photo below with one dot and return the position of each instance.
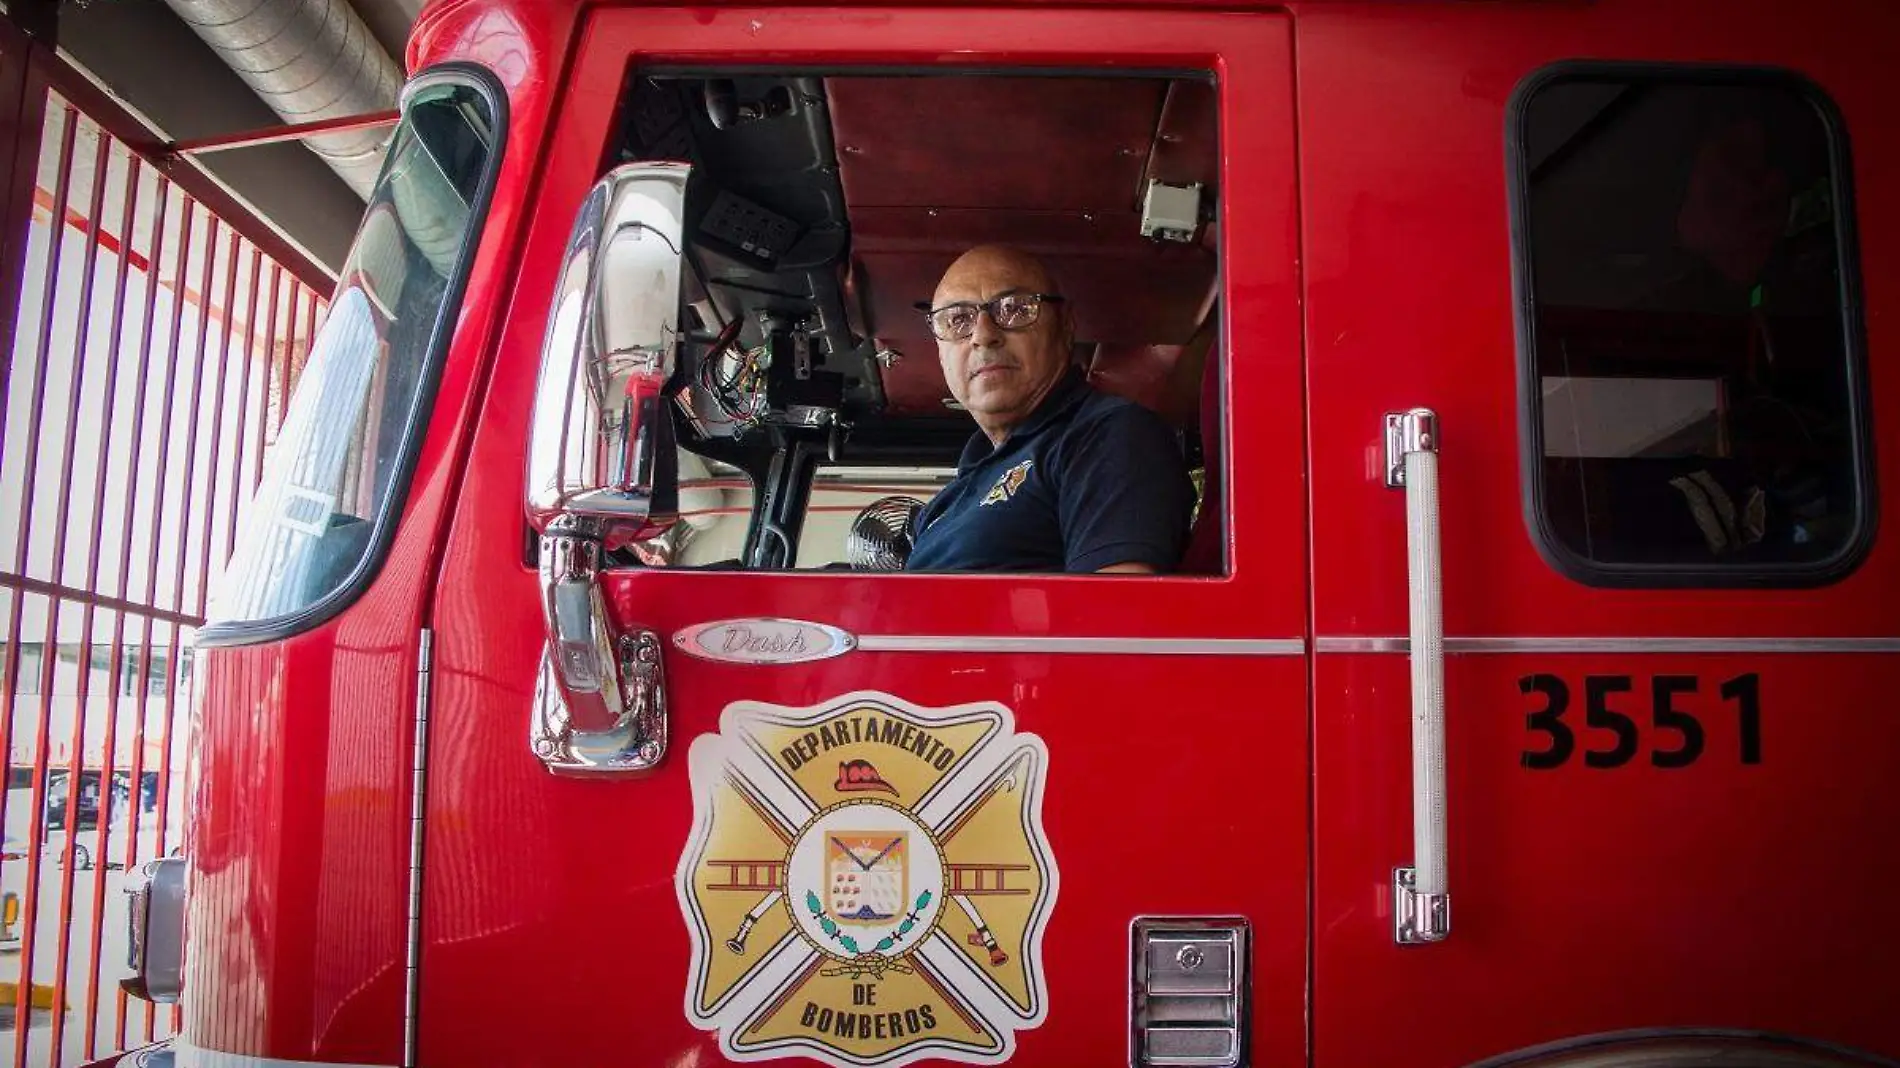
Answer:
(896, 816)
(1631, 295)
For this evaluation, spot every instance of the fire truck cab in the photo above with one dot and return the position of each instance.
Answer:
(1520, 698)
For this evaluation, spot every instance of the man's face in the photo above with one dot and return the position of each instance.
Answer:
(1001, 375)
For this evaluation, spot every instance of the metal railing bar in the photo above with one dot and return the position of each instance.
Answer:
(143, 660)
(49, 655)
(209, 512)
(172, 667)
(240, 489)
(270, 135)
(30, 479)
(23, 102)
(108, 240)
(111, 242)
(114, 674)
(182, 557)
(265, 432)
(59, 591)
(184, 171)
(210, 527)
(181, 270)
(310, 325)
(192, 422)
(289, 341)
(76, 769)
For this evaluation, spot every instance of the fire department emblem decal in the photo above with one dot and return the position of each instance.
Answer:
(867, 882)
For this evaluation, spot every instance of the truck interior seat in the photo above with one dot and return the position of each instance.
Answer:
(1181, 383)
(1157, 377)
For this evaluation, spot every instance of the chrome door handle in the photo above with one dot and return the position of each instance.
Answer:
(1421, 899)
(600, 699)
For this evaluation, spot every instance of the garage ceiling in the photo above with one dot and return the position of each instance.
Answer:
(147, 57)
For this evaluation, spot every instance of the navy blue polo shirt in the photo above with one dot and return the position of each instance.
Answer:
(1088, 480)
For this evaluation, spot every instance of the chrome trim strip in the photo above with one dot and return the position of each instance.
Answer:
(1466, 646)
(412, 976)
(978, 643)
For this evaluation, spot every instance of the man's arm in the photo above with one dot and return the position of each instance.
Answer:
(1124, 494)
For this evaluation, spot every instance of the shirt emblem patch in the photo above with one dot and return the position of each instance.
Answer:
(1007, 485)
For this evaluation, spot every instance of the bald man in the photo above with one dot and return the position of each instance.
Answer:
(1058, 476)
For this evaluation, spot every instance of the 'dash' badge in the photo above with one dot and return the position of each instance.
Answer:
(867, 882)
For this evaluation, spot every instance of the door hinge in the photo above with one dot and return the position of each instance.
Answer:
(418, 799)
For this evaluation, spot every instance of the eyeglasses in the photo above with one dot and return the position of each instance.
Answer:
(1011, 311)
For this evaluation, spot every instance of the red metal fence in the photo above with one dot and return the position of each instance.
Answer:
(151, 328)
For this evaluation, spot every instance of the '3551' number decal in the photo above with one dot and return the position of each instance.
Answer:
(1677, 739)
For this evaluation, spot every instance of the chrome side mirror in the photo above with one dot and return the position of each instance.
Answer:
(155, 931)
(602, 465)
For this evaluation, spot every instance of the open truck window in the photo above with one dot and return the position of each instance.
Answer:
(1690, 340)
(811, 407)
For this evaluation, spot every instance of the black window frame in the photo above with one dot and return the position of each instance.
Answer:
(226, 633)
(1753, 575)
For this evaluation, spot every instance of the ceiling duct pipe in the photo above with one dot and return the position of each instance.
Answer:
(309, 60)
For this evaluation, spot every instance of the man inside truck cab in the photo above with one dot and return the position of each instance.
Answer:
(1744, 231)
(1058, 477)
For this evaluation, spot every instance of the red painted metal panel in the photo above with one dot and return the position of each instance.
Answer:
(1407, 301)
(1584, 899)
(1589, 900)
(522, 864)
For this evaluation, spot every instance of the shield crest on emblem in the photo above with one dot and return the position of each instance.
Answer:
(867, 876)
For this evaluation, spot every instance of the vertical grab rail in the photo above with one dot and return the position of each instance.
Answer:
(1420, 895)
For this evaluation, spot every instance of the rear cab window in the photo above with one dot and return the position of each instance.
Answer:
(1689, 328)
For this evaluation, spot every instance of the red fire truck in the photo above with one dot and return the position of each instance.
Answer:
(1524, 696)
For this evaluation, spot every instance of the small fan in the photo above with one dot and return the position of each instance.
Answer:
(880, 537)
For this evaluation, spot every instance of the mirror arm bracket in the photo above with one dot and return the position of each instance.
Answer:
(600, 700)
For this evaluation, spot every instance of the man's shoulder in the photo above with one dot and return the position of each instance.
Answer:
(1111, 433)
(1109, 413)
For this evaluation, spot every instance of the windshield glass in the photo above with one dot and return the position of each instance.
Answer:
(340, 465)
